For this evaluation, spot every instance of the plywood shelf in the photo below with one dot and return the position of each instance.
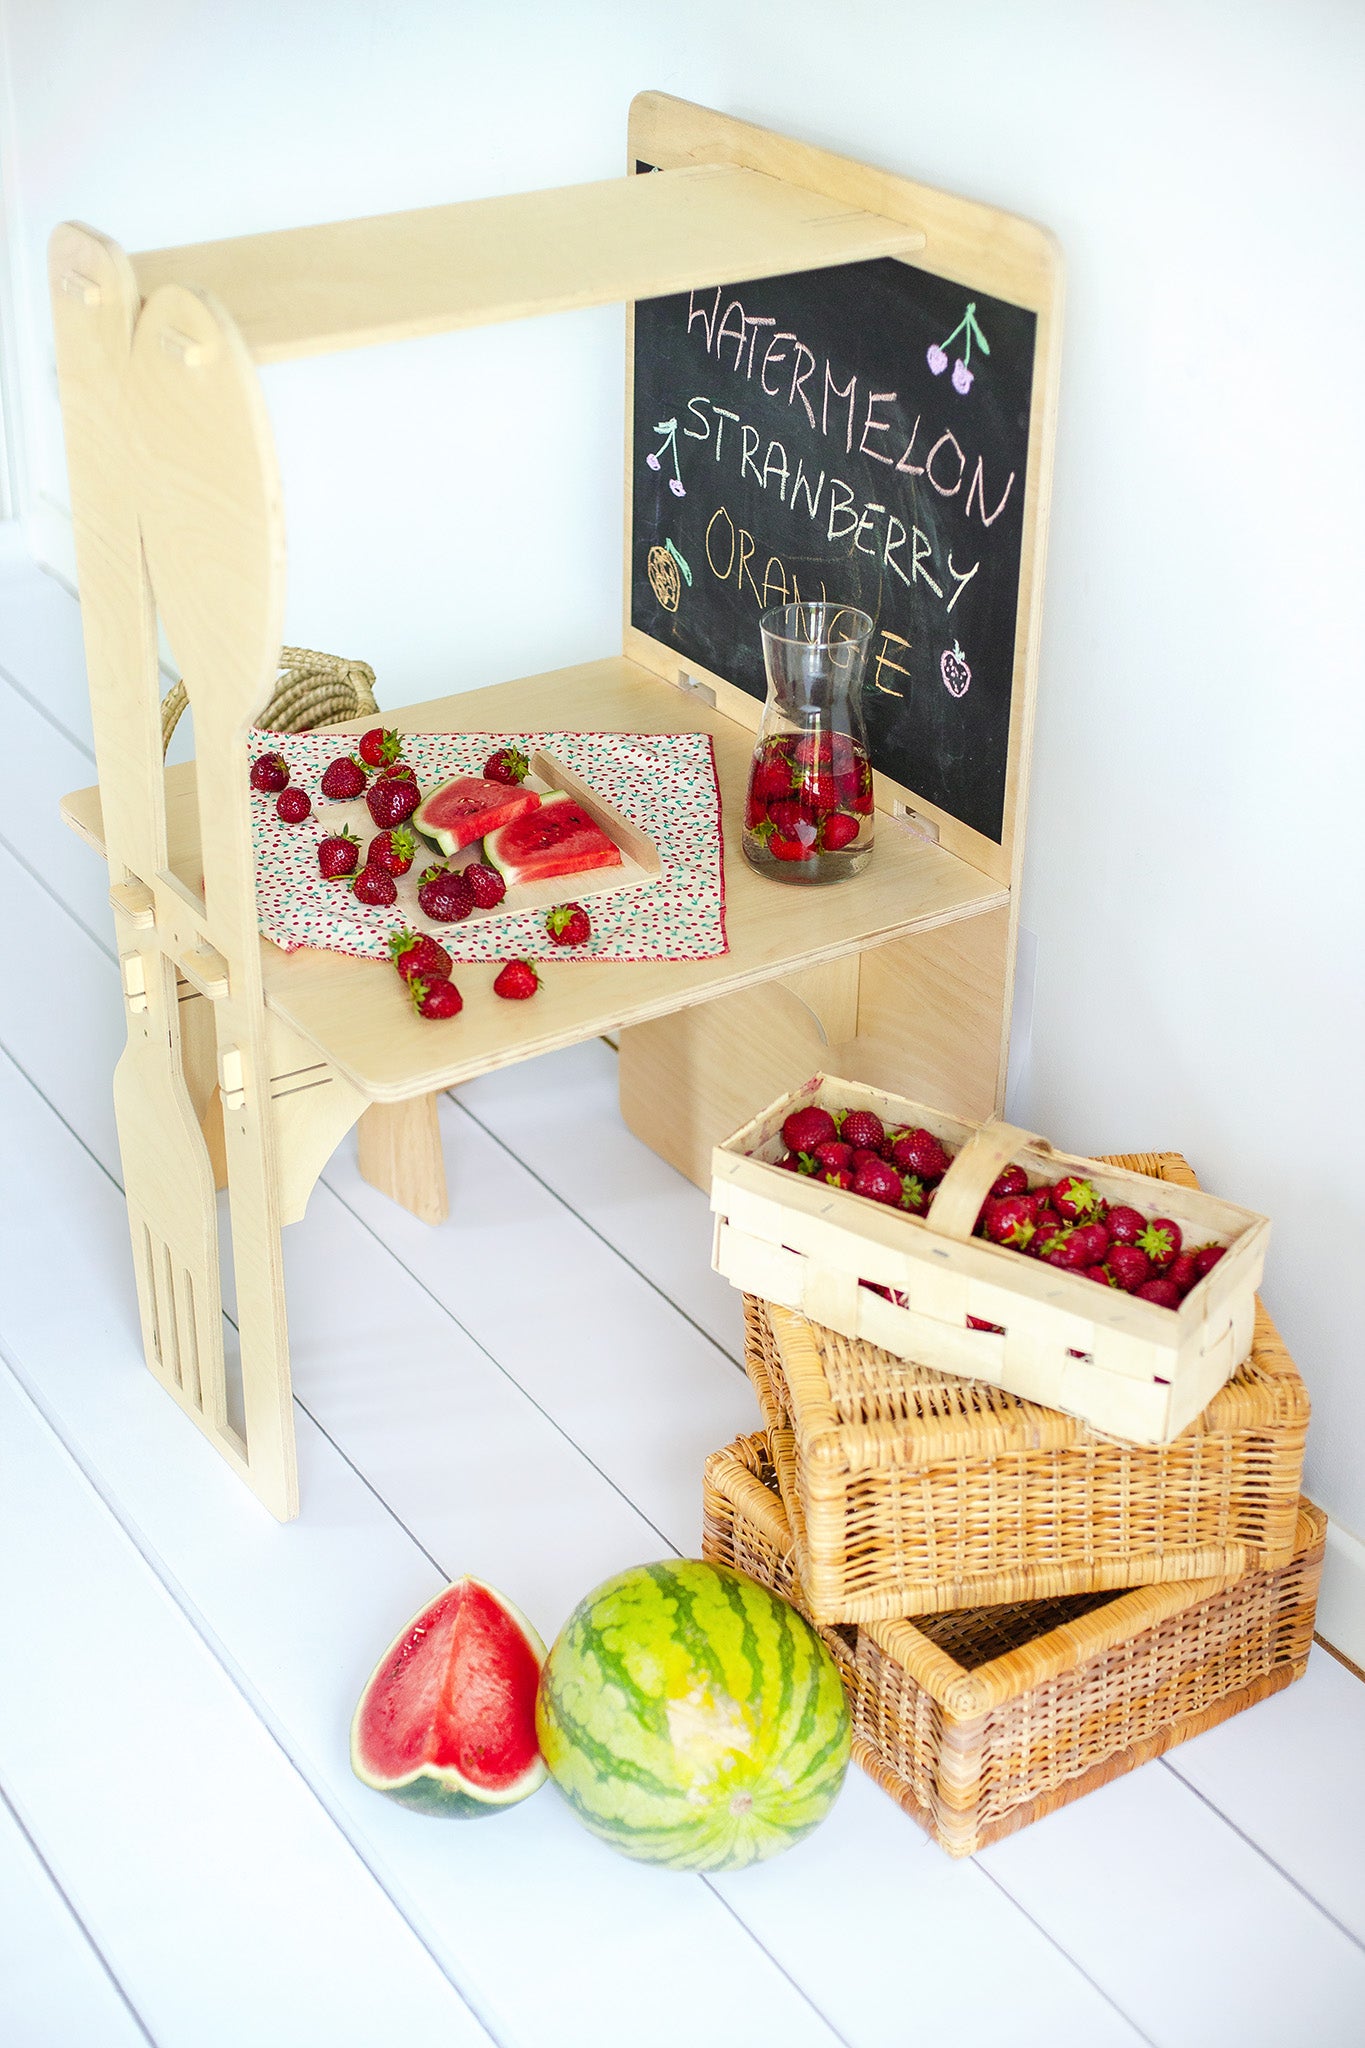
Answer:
(345, 284)
(352, 1009)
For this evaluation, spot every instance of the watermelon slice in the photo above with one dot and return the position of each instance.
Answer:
(468, 808)
(558, 839)
(447, 1721)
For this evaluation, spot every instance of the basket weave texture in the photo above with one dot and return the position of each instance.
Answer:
(911, 1491)
(982, 1720)
(314, 689)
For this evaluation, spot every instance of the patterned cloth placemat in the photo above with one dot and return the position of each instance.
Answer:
(664, 782)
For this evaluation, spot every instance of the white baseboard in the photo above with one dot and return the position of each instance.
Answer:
(51, 538)
(1341, 1603)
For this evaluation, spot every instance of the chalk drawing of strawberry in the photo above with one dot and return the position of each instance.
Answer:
(937, 357)
(955, 672)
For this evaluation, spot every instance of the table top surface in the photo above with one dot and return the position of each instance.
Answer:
(354, 1011)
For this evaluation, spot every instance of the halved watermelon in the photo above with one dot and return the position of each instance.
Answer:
(558, 839)
(468, 808)
(447, 1721)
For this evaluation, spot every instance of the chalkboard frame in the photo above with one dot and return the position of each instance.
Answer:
(972, 245)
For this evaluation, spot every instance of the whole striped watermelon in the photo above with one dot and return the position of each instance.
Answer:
(692, 1719)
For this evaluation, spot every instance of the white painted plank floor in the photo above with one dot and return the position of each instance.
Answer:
(526, 1393)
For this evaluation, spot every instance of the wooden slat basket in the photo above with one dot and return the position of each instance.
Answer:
(985, 1719)
(1129, 1367)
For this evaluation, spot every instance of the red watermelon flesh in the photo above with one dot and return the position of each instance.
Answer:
(447, 1721)
(559, 839)
(468, 808)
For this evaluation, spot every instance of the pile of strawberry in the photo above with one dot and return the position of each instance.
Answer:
(1068, 1223)
(808, 794)
(1065, 1223)
(445, 894)
(853, 1149)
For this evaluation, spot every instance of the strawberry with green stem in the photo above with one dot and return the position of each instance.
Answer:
(379, 748)
(394, 851)
(517, 981)
(344, 779)
(418, 955)
(435, 998)
(338, 855)
(568, 924)
(508, 765)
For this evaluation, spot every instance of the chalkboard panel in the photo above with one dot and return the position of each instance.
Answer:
(859, 434)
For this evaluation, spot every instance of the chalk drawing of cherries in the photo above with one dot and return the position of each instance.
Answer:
(668, 445)
(937, 353)
(955, 672)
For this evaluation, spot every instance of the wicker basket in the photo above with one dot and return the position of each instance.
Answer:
(925, 1288)
(980, 1721)
(313, 689)
(911, 1491)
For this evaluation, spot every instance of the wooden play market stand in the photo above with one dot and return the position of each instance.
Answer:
(245, 1065)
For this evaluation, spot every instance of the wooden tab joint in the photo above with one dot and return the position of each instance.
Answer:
(232, 1078)
(133, 971)
(136, 902)
(204, 967)
(84, 289)
(184, 349)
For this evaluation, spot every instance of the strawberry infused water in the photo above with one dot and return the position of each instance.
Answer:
(808, 813)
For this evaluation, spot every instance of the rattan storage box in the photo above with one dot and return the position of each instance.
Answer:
(985, 1719)
(1130, 1367)
(910, 1491)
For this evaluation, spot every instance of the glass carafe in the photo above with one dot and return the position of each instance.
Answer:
(808, 813)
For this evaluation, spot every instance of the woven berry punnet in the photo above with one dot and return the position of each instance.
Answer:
(983, 1720)
(1129, 1367)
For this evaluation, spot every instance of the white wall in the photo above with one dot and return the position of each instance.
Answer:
(1195, 873)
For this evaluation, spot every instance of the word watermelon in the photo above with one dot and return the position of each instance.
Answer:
(692, 1719)
(447, 1721)
(467, 808)
(558, 839)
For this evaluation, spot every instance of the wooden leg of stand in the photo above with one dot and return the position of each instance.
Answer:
(931, 1022)
(400, 1154)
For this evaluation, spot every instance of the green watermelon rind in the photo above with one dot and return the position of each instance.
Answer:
(542, 870)
(445, 1793)
(606, 1737)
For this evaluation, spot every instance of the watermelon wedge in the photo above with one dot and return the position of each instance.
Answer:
(558, 839)
(447, 1721)
(469, 807)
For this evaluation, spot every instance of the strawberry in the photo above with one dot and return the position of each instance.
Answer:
(920, 1153)
(1066, 1252)
(338, 855)
(783, 846)
(375, 885)
(486, 884)
(344, 779)
(838, 830)
(1130, 1267)
(378, 748)
(417, 953)
(1207, 1257)
(1095, 1238)
(1049, 1233)
(863, 1155)
(1161, 1241)
(1008, 1219)
(770, 777)
(853, 777)
(880, 1182)
(975, 1323)
(833, 1153)
(435, 998)
(393, 851)
(399, 770)
(1074, 1199)
(1100, 1273)
(391, 798)
(755, 811)
(517, 981)
(1183, 1272)
(791, 1161)
(444, 894)
(806, 1128)
(568, 925)
(914, 1195)
(793, 820)
(270, 772)
(815, 749)
(818, 788)
(1164, 1292)
(293, 805)
(861, 1129)
(839, 1177)
(508, 764)
(1013, 1181)
(1125, 1225)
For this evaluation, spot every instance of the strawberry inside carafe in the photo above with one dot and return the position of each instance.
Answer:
(808, 809)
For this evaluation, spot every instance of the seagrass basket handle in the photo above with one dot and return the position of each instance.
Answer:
(314, 689)
(968, 1181)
